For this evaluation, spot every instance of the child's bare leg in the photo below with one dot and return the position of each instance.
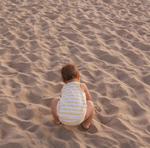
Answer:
(89, 115)
(54, 111)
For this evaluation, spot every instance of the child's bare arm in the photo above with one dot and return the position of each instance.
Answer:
(87, 93)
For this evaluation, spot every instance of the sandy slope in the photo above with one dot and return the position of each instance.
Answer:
(109, 40)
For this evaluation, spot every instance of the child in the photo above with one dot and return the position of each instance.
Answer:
(75, 105)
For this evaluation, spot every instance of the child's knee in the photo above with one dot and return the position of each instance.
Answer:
(54, 104)
(90, 104)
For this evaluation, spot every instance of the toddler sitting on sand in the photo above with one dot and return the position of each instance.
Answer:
(75, 105)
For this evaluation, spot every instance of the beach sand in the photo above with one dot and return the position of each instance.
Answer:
(109, 41)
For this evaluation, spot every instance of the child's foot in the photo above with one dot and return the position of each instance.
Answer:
(86, 127)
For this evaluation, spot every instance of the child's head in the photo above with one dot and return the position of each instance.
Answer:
(70, 72)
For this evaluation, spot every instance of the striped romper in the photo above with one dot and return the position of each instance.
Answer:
(72, 105)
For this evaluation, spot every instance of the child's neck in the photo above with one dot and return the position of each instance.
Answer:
(73, 80)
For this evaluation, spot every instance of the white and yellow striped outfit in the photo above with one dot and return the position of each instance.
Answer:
(72, 105)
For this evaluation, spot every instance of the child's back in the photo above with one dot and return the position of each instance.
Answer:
(72, 105)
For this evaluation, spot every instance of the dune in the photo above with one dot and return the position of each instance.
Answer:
(109, 42)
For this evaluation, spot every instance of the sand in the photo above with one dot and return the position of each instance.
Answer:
(109, 41)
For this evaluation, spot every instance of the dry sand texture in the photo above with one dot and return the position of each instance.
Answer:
(109, 40)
